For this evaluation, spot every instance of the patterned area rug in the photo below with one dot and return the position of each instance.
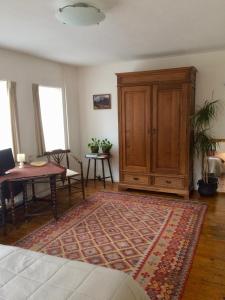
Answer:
(151, 238)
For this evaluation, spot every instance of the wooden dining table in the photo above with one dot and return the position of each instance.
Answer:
(29, 175)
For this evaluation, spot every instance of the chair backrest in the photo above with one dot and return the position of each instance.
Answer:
(58, 156)
(6, 161)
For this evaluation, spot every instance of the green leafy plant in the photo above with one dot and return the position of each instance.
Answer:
(204, 143)
(106, 146)
(94, 145)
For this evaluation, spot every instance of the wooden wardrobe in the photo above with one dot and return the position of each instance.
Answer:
(154, 129)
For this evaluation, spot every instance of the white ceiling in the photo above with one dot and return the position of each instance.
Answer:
(132, 29)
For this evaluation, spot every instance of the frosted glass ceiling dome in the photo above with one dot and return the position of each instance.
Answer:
(80, 14)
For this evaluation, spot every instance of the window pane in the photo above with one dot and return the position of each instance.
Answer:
(52, 117)
(5, 118)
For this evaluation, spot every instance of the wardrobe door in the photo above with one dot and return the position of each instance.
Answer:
(135, 128)
(169, 131)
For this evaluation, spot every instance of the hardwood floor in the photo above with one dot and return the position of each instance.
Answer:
(207, 276)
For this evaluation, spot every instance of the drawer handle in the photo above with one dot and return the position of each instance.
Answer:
(168, 181)
(136, 178)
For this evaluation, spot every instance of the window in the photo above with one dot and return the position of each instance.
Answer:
(5, 118)
(51, 103)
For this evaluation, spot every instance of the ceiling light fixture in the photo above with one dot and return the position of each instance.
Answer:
(80, 14)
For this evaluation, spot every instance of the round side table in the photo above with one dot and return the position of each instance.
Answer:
(102, 158)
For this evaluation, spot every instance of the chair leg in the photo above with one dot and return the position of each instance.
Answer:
(82, 187)
(69, 186)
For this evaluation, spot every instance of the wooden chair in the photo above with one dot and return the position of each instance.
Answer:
(73, 178)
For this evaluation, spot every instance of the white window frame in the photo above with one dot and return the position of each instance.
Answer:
(11, 146)
(65, 113)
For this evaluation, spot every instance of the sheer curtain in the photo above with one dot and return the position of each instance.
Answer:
(11, 88)
(38, 121)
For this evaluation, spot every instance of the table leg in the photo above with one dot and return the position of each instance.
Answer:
(95, 169)
(33, 191)
(25, 199)
(88, 171)
(3, 212)
(110, 170)
(103, 172)
(53, 196)
(12, 202)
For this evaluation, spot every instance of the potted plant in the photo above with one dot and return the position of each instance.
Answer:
(106, 146)
(204, 144)
(94, 145)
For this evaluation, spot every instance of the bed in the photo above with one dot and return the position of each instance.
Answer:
(30, 275)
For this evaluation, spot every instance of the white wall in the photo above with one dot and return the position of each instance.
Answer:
(102, 79)
(82, 83)
(25, 70)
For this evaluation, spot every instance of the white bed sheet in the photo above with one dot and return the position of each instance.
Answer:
(30, 275)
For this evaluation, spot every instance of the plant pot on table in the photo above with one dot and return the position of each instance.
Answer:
(94, 149)
(106, 150)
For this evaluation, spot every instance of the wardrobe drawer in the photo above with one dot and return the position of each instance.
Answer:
(177, 183)
(136, 179)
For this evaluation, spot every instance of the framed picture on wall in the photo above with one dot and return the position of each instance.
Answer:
(102, 101)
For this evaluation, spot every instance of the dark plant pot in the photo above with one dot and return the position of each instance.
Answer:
(106, 150)
(208, 189)
(94, 149)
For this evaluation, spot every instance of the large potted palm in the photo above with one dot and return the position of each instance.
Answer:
(204, 144)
